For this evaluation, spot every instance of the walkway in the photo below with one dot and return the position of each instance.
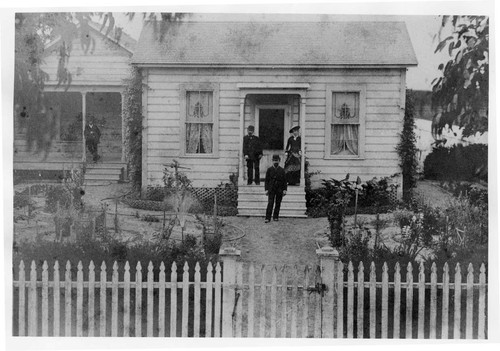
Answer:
(431, 194)
(290, 241)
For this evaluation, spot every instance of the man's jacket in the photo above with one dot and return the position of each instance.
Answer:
(92, 132)
(252, 147)
(275, 180)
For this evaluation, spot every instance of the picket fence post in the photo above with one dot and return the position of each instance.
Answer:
(328, 261)
(228, 257)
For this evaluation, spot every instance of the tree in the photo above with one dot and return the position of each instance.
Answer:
(460, 95)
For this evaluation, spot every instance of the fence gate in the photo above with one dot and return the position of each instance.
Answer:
(277, 301)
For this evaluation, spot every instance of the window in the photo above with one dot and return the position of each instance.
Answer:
(199, 120)
(345, 122)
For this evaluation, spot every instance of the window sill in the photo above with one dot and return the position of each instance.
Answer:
(200, 156)
(344, 157)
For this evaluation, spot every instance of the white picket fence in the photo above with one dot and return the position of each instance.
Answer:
(244, 300)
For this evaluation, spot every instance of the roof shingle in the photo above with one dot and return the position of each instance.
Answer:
(276, 44)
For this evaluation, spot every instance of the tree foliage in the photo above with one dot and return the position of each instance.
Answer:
(460, 95)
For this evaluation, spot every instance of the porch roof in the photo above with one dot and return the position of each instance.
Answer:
(276, 44)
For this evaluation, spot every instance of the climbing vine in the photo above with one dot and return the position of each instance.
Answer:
(132, 110)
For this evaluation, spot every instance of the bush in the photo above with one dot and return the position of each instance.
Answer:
(108, 249)
(155, 193)
(457, 163)
(476, 194)
(150, 218)
(373, 197)
(21, 200)
(147, 205)
(57, 195)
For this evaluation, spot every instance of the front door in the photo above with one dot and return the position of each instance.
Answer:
(271, 125)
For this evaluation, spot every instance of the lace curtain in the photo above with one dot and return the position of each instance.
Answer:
(345, 124)
(199, 122)
(345, 139)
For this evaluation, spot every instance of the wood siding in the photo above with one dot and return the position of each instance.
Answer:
(384, 116)
(108, 64)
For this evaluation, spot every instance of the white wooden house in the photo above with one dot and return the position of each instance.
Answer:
(342, 82)
(98, 64)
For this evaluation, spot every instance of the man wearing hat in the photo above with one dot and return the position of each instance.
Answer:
(275, 187)
(252, 151)
(92, 137)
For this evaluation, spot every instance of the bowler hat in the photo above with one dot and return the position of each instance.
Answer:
(276, 157)
(294, 128)
(252, 128)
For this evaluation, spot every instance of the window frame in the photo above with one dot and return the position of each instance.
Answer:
(214, 89)
(345, 88)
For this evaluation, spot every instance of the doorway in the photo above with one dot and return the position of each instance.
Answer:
(271, 125)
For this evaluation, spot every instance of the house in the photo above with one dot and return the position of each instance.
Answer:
(98, 64)
(342, 82)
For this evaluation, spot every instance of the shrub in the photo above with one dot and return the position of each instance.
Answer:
(374, 196)
(147, 204)
(150, 218)
(109, 249)
(21, 200)
(57, 195)
(155, 193)
(457, 163)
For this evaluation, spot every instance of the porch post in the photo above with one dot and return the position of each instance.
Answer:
(123, 128)
(241, 161)
(328, 261)
(303, 135)
(229, 258)
(84, 123)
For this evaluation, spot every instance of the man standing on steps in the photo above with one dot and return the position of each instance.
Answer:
(252, 151)
(92, 137)
(275, 186)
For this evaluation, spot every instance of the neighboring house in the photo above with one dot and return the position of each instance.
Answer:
(423, 129)
(98, 67)
(342, 82)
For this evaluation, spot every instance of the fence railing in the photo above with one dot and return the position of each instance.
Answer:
(236, 299)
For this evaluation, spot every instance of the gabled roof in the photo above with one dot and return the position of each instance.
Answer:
(276, 44)
(125, 41)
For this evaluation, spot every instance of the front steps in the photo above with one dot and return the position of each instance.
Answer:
(252, 201)
(104, 173)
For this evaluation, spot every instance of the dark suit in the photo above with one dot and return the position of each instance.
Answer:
(253, 149)
(275, 184)
(92, 138)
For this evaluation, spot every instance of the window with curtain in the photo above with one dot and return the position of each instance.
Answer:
(345, 123)
(199, 122)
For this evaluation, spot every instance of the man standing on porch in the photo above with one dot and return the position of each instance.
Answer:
(92, 138)
(275, 186)
(252, 151)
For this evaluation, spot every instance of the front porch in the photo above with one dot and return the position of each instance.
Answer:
(272, 109)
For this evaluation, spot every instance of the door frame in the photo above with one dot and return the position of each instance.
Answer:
(287, 118)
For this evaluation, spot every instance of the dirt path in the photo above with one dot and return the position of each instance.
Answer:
(431, 194)
(290, 241)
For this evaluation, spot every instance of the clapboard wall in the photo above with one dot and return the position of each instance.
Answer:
(106, 65)
(385, 91)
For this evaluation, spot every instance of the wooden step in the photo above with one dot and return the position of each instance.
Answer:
(108, 177)
(261, 212)
(104, 171)
(252, 201)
